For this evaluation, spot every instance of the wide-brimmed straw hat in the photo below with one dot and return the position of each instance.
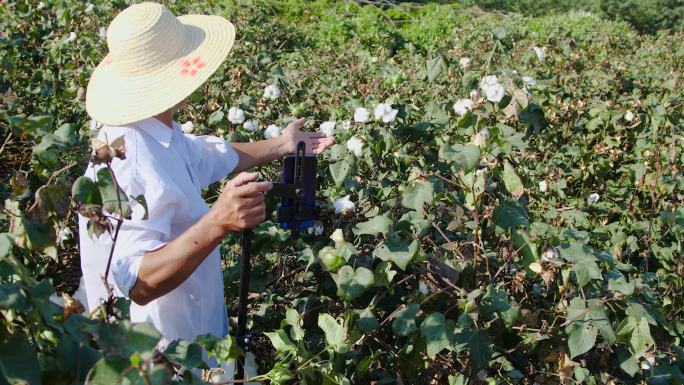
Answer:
(155, 60)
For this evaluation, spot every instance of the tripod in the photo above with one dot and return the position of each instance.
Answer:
(291, 213)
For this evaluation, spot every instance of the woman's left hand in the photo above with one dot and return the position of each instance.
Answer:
(316, 142)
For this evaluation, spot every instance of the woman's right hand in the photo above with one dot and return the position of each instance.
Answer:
(241, 203)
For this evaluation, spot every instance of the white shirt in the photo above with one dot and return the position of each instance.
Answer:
(170, 169)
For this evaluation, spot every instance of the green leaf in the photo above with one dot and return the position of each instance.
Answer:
(85, 191)
(367, 320)
(384, 274)
(6, 245)
(464, 158)
(397, 251)
(417, 195)
(280, 341)
(437, 332)
(353, 283)
(526, 248)
(108, 371)
(335, 333)
(587, 319)
(215, 117)
(641, 340)
(435, 67)
(583, 262)
(510, 215)
(479, 344)
(114, 199)
(141, 338)
(339, 171)
(379, 224)
(533, 115)
(512, 181)
(18, 361)
(404, 322)
(294, 319)
(188, 354)
(581, 337)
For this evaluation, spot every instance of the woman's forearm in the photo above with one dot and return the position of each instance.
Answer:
(166, 268)
(253, 154)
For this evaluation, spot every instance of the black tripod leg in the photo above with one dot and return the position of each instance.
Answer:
(245, 255)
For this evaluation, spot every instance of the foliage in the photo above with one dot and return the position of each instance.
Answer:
(456, 265)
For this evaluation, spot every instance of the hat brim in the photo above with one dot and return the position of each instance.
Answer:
(115, 99)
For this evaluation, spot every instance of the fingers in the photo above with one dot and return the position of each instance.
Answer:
(319, 145)
(297, 124)
(254, 200)
(243, 178)
(253, 188)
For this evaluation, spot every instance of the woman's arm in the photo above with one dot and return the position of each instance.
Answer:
(240, 206)
(253, 154)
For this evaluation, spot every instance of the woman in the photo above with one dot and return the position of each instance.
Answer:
(169, 264)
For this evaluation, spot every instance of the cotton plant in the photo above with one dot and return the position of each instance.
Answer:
(344, 205)
(236, 115)
(492, 89)
(355, 145)
(462, 106)
(361, 115)
(385, 112)
(272, 131)
(271, 92)
(328, 128)
(251, 125)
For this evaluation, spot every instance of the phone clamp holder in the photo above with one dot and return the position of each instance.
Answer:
(292, 214)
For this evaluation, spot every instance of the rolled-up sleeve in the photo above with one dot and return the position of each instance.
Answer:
(212, 158)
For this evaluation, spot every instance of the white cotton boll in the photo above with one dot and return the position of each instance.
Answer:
(423, 288)
(480, 172)
(272, 131)
(464, 62)
(463, 105)
(317, 229)
(346, 124)
(272, 231)
(489, 80)
(102, 33)
(89, 7)
(593, 198)
(494, 93)
(474, 94)
(251, 125)
(328, 128)
(64, 235)
(539, 52)
(355, 145)
(188, 127)
(72, 36)
(272, 92)
(543, 186)
(374, 59)
(385, 112)
(343, 205)
(528, 81)
(549, 255)
(40, 6)
(361, 115)
(236, 115)
(629, 116)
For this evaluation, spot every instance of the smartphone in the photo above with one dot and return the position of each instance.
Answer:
(307, 170)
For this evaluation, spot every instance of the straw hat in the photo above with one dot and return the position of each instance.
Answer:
(155, 60)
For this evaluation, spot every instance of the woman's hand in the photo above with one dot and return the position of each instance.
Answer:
(316, 142)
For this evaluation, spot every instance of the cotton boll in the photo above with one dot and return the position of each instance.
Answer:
(474, 94)
(463, 105)
(593, 198)
(494, 93)
(423, 288)
(72, 36)
(549, 254)
(543, 186)
(40, 6)
(346, 124)
(385, 112)
(236, 115)
(343, 205)
(272, 131)
(328, 128)
(89, 7)
(464, 62)
(188, 127)
(361, 115)
(489, 80)
(629, 116)
(355, 145)
(251, 125)
(539, 52)
(102, 33)
(528, 82)
(272, 92)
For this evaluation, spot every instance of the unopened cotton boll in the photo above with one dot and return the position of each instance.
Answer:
(236, 115)
(463, 105)
(346, 124)
(543, 186)
(539, 52)
(385, 112)
(272, 92)
(251, 125)
(272, 131)
(72, 36)
(328, 128)
(464, 62)
(343, 205)
(355, 145)
(629, 116)
(593, 198)
(188, 127)
(361, 115)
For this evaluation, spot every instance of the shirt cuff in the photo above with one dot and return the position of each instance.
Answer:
(125, 270)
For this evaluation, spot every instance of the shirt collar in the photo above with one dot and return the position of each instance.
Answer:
(158, 130)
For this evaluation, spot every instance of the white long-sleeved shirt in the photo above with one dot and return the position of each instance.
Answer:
(170, 169)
